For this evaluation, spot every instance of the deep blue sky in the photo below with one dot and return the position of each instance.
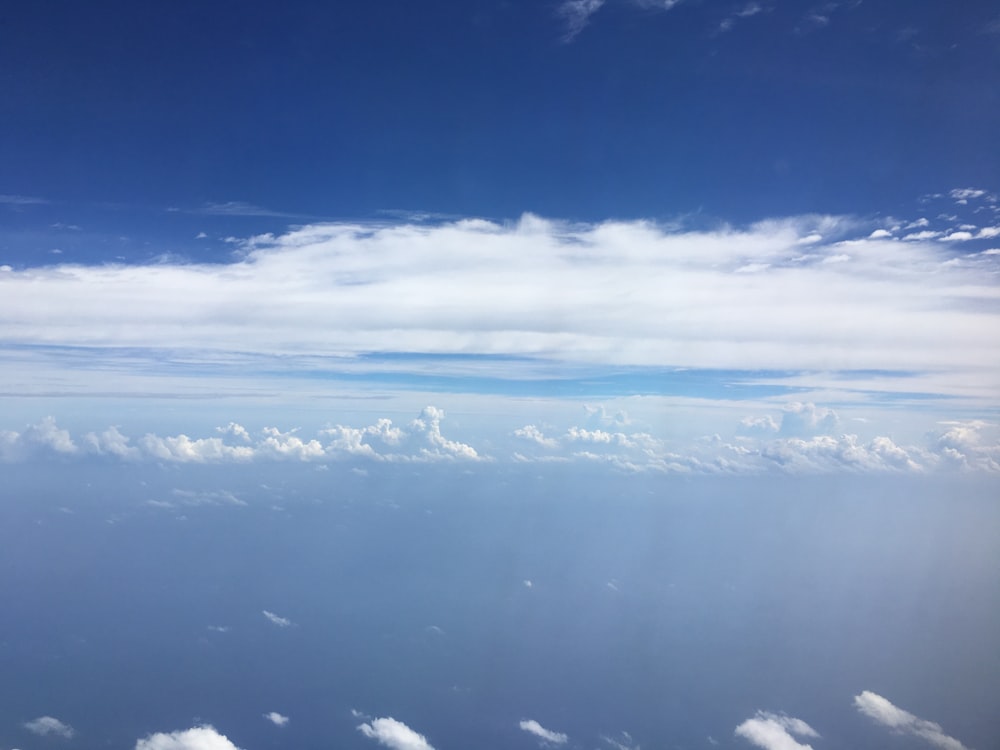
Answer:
(485, 108)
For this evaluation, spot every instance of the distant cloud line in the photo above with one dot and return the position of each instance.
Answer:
(803, 439)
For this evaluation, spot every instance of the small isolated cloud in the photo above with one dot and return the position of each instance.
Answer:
(546, 735)
(884, 712)
(776, 731)
(964, 195)
(275, 718)
(281, 622)
(394, 734)
(49, 726)
(622, 741)
(576, 15)
(197, 738)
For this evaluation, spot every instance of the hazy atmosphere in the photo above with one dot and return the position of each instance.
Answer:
(585, 374)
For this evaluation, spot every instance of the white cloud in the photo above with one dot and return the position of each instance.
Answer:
(880, 234)
(925, 234)
(776, 731)
(183, 449)
(576, 15)
(197, 738)
(275, 718)
(49, 435)
(889, 715)
(631, 294)
(281, 622)
(964, 194)
(394, 734)
(49, 726)
(546, 735)
(806, 419)
(533, 434)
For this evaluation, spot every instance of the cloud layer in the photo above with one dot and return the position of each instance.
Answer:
(815, 293)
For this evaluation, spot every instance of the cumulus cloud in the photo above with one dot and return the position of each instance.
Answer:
(394, 734)
(281, 622)
(197, 738)
(884, 712)
(421, 440)
(546, 735)
(533, 434)
(806, 419)
(776, 731)
(275, 718)
(49, 726)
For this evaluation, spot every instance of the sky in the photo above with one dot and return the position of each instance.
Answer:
(652, 246)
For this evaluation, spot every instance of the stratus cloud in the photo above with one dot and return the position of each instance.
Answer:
(887, 714)
(776, 731)
(631, 293)
(197, 738)
(394, 734)
(546, 735)
(49, 726)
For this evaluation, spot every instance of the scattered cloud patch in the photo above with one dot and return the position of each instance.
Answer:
(49, 726)
(281, 622)
(394, 734)
(546, 735)
(197, 738)
(576, 14)
(776, 731)
(884, 712)
(275, 718)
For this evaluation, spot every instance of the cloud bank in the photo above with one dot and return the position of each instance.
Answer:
(394, 734)
(884, 712)
(808, 293)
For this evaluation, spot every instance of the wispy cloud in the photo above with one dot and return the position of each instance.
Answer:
(275, 718)
(197, 738)
(49, 726)
(776, 731)
(394, 734)
(576, 15)
(241, 208)
(884, 712)
(546, 735)
(281, 622)
(21, 200)
(747, 11)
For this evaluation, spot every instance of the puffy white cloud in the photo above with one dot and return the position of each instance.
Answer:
(546, 735)
(287, 445)
(183, 449)
(110, 442)
(394, 734)
(533, 434)
(49, 435)
(275, 718)
(281, 622)
(776, 731)
(889, 715)
(49, 726)
(197, 738)
(806, 419)
(421, 440)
